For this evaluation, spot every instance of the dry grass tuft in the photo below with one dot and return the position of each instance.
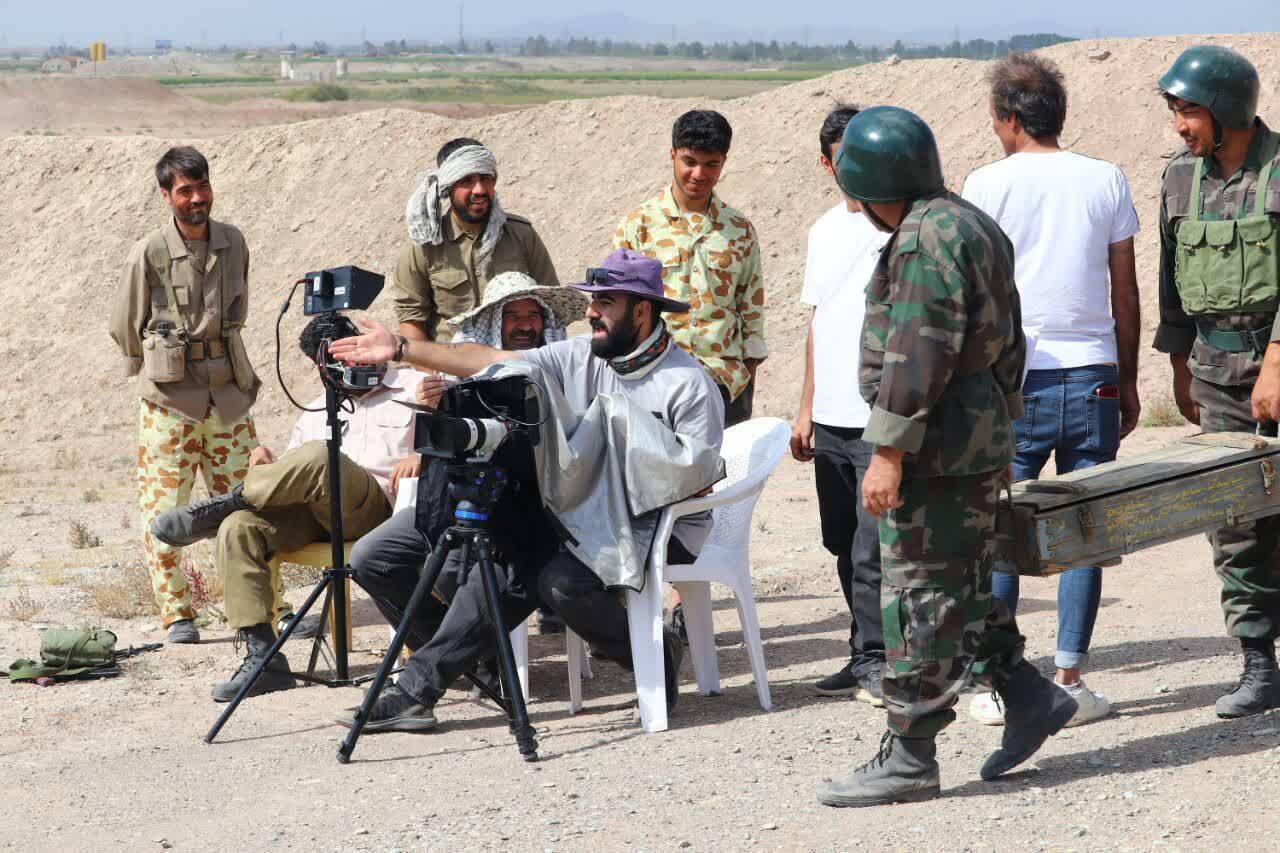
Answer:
(124, 520)
(64, 461)
(54, 574)
(125, 595)
(91, 496)
(1161, 412)
(81, 537)
(22, 607)
(6, 556)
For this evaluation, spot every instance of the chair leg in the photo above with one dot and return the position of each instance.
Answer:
(520, 650)
(346, 605)
(695, 597)
(585, 655)
(644, 619)
(746, 599)
(574, 649)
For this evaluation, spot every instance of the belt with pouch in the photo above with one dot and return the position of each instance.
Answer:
(201, 350)
(1235, 340)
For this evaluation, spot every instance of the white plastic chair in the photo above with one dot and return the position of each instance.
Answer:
(407, 496)
(751, 451)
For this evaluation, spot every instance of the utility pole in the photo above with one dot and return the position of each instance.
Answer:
(462, 42)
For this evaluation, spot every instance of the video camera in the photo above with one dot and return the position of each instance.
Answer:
(328, 292)
(476, 416)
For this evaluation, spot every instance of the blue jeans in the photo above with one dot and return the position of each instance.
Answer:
(1065, 416)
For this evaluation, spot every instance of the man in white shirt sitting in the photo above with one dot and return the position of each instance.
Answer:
(843, 249)
(283, 503)
(1072, 223)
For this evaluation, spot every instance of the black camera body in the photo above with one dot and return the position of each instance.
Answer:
(476, 416)
(478, 447)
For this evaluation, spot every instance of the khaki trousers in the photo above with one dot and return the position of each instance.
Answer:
(170, 449)
(292, 500)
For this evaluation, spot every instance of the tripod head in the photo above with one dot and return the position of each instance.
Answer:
(476, 486)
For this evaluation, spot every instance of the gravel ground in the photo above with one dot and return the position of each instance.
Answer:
(120, 764)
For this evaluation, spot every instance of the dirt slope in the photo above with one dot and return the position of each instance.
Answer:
(332, 191)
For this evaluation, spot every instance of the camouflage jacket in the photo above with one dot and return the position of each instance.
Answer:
(711, 261)
(1221, 198)
(942, 343)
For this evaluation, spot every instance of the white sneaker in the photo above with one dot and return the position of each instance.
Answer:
(1093, 706)
(987, 708)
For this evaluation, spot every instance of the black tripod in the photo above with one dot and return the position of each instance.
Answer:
(333, 582)
(476, 486)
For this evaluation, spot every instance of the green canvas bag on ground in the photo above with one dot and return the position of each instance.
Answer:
(69, 653)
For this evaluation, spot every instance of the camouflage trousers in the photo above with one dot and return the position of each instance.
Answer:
(1245, 556)
(170, 449)
(942, 626)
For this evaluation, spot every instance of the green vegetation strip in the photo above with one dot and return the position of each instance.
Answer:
(613, 76)
(215, 80)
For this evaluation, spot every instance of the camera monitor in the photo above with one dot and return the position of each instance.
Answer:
(340, 289)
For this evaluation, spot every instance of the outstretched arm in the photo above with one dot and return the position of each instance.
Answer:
(378, 345)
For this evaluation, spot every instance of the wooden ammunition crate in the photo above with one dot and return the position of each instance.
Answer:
(1093, 517)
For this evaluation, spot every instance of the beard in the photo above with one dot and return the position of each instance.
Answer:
(463, 213)
(197, 216)
(619, 340)
(524, 339)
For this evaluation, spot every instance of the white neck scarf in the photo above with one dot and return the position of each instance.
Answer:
(423, 213)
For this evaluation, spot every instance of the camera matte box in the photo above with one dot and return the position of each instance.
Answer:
(1092, 517)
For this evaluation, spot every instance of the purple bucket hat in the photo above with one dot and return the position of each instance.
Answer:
(627, 271)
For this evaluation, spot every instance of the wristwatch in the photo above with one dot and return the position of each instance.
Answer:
(403, 342)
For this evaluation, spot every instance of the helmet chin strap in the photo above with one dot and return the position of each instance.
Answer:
(1217, 134)
(876, 220)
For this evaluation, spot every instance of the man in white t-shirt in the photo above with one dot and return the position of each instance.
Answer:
(843, 248)
(1072, 222)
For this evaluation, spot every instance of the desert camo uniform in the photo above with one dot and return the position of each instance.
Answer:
(202, 420)
(942, 357)
(435, 282)
(711, 261)
(1225, 327)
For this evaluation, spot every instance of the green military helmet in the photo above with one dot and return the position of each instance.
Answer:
(1218, 79)
(888, 154)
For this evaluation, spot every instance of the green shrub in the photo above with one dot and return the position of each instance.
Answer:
(320, 92)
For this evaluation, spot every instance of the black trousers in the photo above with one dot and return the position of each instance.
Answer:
(450, 642)
(738, 410)
(852, 534)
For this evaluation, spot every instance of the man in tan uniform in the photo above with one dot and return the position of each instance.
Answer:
(461, 238)
(181, 302)
(283, 503)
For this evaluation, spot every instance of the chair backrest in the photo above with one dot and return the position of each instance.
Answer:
(751, 450)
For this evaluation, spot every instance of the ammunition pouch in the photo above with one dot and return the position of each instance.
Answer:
(1232, 265)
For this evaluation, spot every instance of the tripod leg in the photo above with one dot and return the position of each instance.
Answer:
(317, 644)
(517, 714)
(425, 584)
(271, 653)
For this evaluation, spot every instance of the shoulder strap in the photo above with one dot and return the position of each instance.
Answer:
(1264, 175)
(170, 294)
(1193, 211)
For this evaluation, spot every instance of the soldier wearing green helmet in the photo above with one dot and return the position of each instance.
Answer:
(941, 366)
(1219, 289)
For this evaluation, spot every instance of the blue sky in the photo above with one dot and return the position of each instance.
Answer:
(140, 22)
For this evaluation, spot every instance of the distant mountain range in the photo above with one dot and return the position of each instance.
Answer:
(621, 27)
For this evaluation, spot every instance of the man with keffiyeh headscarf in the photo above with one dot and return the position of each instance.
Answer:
(461, 237)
